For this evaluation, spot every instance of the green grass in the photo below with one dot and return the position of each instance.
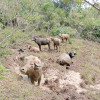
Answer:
(94, 96)
(88, 78)
(90, 67)
(89, 73)
(4, 51)
(2, 69)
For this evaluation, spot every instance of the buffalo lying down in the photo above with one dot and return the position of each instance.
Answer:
(66, 58)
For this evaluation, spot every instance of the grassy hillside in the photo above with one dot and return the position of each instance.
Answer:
(20, 20)
(86, 62)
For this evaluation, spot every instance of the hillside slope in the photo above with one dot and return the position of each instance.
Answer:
(80, 82)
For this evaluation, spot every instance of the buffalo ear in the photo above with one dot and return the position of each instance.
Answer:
(70, 54)
(38, 65)
(22, 58)
(35, 65)
(34, 38)
(42, 64)
(28, 46)
(21, 69)
(75, 53)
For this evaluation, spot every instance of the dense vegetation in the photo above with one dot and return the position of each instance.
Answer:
(26, 17)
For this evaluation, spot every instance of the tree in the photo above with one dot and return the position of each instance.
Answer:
(94, 4)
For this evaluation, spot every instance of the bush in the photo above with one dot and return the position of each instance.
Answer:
(1, 25)
(54, 31)
(92, 33)
(16, 35)
(64, 30)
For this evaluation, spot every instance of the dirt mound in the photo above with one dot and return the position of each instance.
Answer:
(53, 77)
(57, 79)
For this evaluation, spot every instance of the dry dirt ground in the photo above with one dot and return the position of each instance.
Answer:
(80, 82)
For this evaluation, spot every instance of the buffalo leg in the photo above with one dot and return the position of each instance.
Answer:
(49, 46)
(58, 48)
(39, 80)
(54, 46)
(39, 47)
(32, 81)
(62, 40)
(66, 39)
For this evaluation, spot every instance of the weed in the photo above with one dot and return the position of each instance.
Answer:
(26, 92)
(2, 69)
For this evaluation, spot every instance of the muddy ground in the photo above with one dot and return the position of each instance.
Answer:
(80, 82)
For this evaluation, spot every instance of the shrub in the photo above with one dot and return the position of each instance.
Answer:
(54, 31)
(91, 33)
(64, 30)
(16, 35)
